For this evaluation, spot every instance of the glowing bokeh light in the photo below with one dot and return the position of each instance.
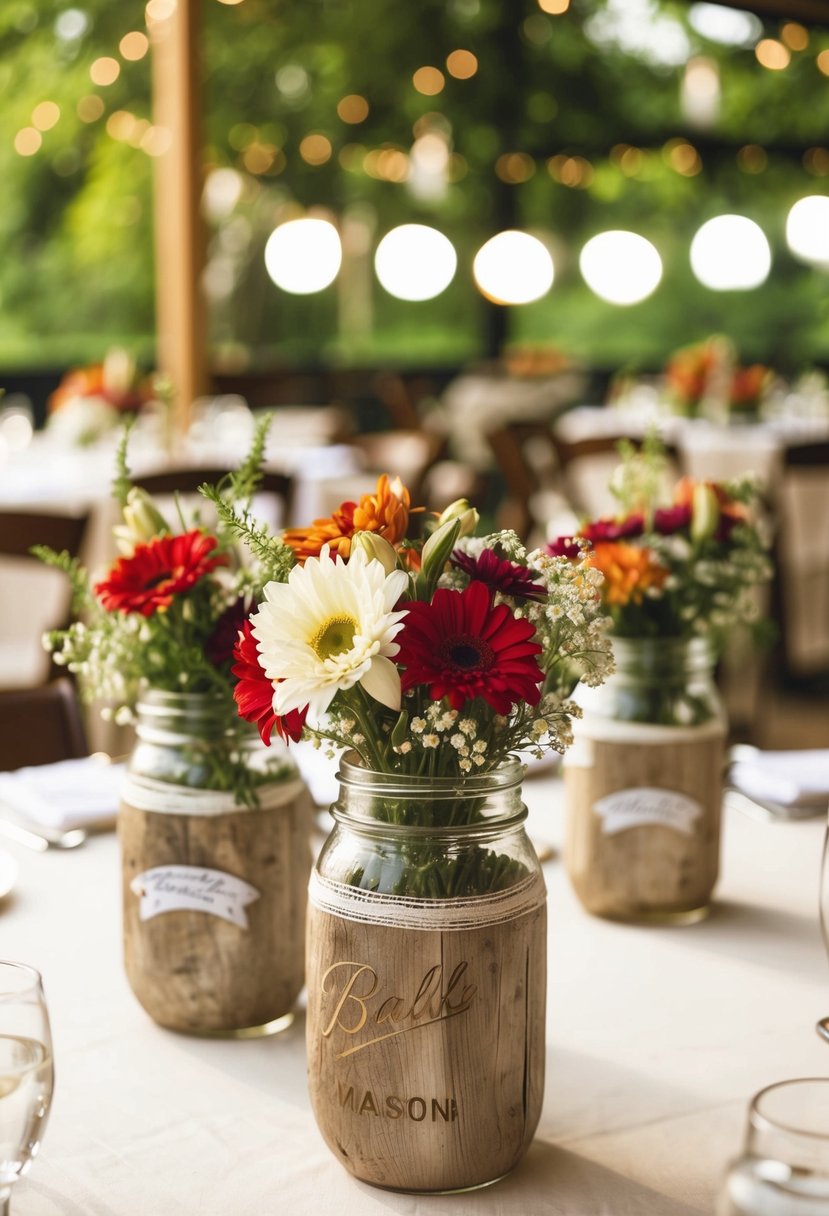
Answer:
(807, 229)
(513, 268)
(353, 108)
(104, 71)
(157, 11)
(554, 7)
(315, 149)
(772, 54)
(415, 262)
(730, 253)
(27, 141)
(72, 23)
(134, 46)
(90, 108)
(795, 36)
(429, 81)
(45, 115)
(620, 267)
(461, 64)
(728, 26)
(303, 256)
(222, 191)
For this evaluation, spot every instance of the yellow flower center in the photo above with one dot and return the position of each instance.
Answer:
(334, 636)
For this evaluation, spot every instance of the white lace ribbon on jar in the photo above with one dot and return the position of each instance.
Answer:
(405, 912)
(147, 794)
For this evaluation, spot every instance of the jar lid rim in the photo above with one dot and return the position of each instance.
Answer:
(354, 774)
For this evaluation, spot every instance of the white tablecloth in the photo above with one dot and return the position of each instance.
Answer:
(656, 1040)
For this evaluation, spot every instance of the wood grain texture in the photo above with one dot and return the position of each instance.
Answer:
(193, 971)
(426, 1049)
(649, 871)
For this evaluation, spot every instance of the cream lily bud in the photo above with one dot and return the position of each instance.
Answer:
(142, 516)
(376, 549)
(119, 370)
(461, 509)
(437, 549)
(705, 512)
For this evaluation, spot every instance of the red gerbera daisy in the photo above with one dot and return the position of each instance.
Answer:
(499, 574)
(166, 566)
(220, 646)
(667, 520)
(564, 546)
(254, 693)
(613, 529)
(463, 647)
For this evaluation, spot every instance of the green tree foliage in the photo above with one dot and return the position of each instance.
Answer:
(586, 110)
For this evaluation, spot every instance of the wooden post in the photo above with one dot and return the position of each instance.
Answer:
(179, 242)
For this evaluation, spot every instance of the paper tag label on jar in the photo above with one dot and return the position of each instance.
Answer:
(647, 806)
(193, 889)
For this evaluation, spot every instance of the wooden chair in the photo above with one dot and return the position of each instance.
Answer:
(587, 464)
(41, 725)
(22, 660)
(800, 587)
(19, 530)
(408, 454)
(279, 487)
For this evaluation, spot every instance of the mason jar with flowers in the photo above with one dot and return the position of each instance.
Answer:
(433, 664)
(644, 777)
(214, 826)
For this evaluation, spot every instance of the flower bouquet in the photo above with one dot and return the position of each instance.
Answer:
(748, 390)
(694, 373)
(91, 402)
(434, 661)
(682, 569)
(644, 779)
(213, 826)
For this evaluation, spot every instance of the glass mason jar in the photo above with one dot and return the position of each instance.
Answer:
(643, 784)
(427, 979)
(214, 893)
(784, 1166)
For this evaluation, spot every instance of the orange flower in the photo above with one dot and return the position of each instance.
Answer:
(748, 385)
(629, 572)
(386, 512)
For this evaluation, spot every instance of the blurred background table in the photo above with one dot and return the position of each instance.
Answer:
(656, 1040)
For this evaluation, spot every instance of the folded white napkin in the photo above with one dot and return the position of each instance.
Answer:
(72, 794)
(797, 778)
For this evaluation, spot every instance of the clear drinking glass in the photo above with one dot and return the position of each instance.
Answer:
(784, 1166)
(823, 1025)
(26, 1073)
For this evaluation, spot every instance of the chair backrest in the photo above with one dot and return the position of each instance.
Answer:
(32, 598)
(408, 454)
(526, 460)
(587, 465)
(19, 530)
(800, 591)
(186, 480)
(40, 725)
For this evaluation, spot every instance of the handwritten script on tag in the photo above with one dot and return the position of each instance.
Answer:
(195, 889)
(645, 806)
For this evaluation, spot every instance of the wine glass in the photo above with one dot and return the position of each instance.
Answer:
(26, 1072)
(823, 1025)
(784, 1166)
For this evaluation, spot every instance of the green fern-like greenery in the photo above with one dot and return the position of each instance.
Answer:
(274, 556)
(122, 481)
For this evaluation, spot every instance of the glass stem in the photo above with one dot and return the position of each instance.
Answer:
(5, 1197)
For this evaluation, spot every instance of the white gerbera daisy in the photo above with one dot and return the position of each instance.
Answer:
(329, 627)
